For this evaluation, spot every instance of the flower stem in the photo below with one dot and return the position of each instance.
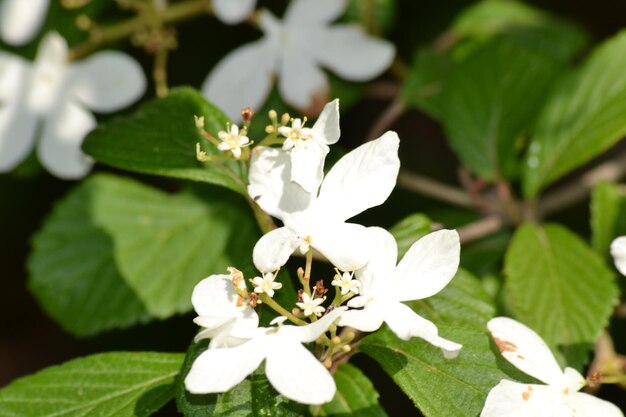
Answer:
(172, 14)
(281, 310)
(306, 281)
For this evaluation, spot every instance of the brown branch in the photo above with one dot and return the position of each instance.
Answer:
(579, 189)
(386, 119)
(481, 228)
(434, 189)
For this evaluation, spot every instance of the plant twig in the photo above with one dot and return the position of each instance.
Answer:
(434, 189)
(387, 118)
(481, 228)
(579, 189)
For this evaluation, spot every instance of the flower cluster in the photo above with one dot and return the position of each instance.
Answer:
(288, 183)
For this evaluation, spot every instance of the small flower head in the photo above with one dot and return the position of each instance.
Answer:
(266, 284)
(233, 140)
(199, 121)
(346, 283)
(296, 134)
(311, 305)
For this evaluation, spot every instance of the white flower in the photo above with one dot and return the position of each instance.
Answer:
(362, 179)
(266, 284)
(227, 321)
(290, 367)
(20, 20)
(232, 140)
(426, 269)
(232, 12)
(57, 93)
(294, 49)
(618, 250)
(311, 306)
(560, 397)
(308, 147)
(346, 283)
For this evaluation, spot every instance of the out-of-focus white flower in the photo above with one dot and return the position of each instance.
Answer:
(363, 178)
(290, 367)
(20, 20)
(308, 147)
(232, 12)
(294, 49)
(311, 305)
(560, 397)
(232, 140)
(266, 284)
(226, 320)
(57, 93)
(618, 250)
(426, 269)
(347, 283)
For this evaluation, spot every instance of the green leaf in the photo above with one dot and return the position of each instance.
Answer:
(606, 205)
(410, 229)
(254, 397)
(115, 250)
(523, 24)
(584, 116)
(426, 82)
(492, 100)
(109, 384)
(558, 286)
(374, 15)
(355, 397)
(160, 138)
(441, 387)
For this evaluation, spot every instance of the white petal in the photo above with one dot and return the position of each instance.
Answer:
(375, 275)
(618, 250)
(213, 296)
(218, 370)
(274, 249)
(589, 406)
(49, 74)
(363, 178)
(297, 374)
(59, 148)
(347, 246)
(526, 350)
(14, 73)
(314, 12)
(406, 323)
(368, 319)
(20, 20)
(310, 332)
(242, 78)
(511, 399)
(350, 53)
(17, 135)
(326, 127)
(108, 81)
(307, 164)
(302, 83)
(271, 186)
(233, 11)
(428, 266)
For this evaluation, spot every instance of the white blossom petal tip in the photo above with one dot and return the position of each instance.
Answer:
(232, 12)
(20, 20)
(560, 397)
(618, 250)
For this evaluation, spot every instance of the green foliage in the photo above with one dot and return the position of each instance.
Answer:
(585, 115)
(558, 286)
(161, 137)
(440, 387)
(409, 230)
(375, 15)
(115, 250)
(108, 384)
(254, 397)
(521, 23)
(608, 216)
(493, 98)
(355, 397)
